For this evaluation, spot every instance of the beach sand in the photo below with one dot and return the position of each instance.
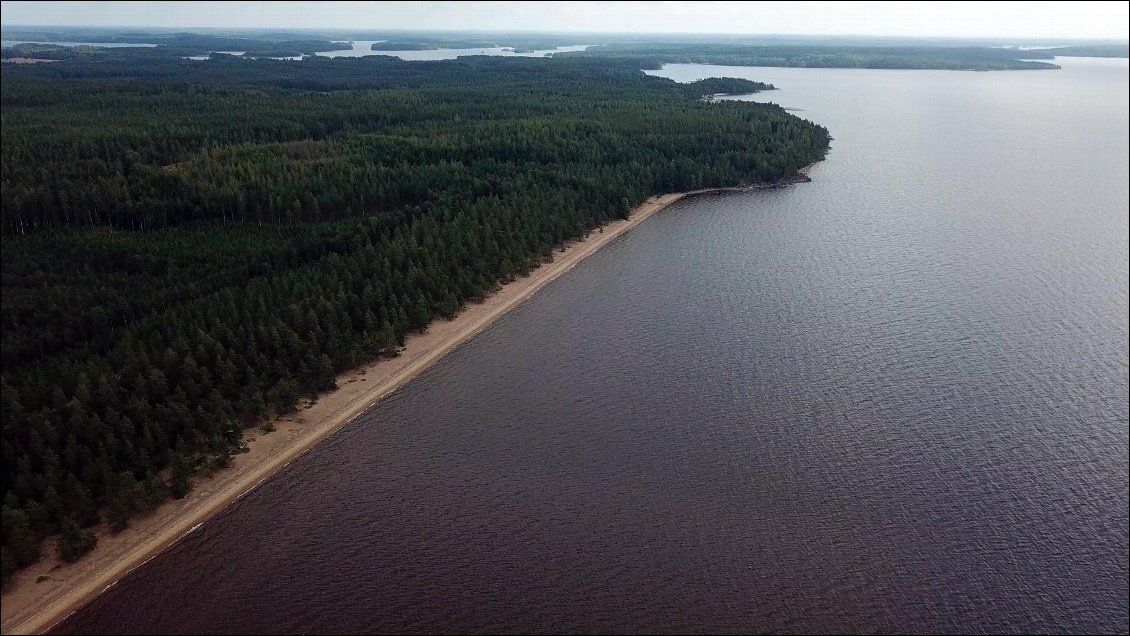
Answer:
(31, 607)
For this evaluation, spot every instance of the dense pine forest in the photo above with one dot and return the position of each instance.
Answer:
(192, 247)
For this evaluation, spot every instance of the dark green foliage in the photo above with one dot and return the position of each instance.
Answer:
(124, 496)
(153, 491)
(19, 540)
(724, 85)
(178, 476)
(86, 508)
(75, 541)
(283, 395)
(117, 513)
(189, 246)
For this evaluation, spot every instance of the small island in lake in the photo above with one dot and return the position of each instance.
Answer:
(716, 86)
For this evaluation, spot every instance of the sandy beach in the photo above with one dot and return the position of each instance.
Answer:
(50, 590)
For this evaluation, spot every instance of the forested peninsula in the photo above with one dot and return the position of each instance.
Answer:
(191, 247)
(958, 58)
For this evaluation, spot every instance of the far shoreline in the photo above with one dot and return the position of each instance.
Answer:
(49, 591)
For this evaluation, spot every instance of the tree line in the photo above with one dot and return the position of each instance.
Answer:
(979, 58)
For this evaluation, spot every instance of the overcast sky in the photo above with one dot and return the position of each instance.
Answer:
(993, 19)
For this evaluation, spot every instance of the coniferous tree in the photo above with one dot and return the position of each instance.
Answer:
(74, 541)
(20, 541)
(178, 476)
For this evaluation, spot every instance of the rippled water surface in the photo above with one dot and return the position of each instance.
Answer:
(892, 399)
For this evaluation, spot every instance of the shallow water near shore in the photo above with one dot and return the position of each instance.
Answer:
(892, 399)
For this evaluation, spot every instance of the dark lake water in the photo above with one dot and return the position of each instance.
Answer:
(893, 399)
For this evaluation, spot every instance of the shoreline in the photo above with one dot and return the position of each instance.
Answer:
(47, 592)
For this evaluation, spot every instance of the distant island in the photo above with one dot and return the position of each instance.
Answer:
(654, 56)
(393, 45)
(433, 45)
(646, 51)
(639, 56)
(409, 45)
(712, 86)
(179, 45)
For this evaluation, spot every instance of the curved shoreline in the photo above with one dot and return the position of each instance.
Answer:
(31, 606)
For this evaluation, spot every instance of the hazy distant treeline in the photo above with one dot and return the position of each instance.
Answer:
(822, 56)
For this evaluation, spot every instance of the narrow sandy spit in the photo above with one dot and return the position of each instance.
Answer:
(30, 607)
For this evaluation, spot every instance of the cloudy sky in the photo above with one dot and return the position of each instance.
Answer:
(1000, 19)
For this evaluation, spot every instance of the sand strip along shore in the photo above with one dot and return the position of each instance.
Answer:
(46, 592)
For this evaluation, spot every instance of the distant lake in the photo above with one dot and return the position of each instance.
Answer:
(893, 399)
(360, 49)
(364, 48)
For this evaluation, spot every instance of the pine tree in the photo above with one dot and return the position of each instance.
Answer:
(284, 395)
(118, 512)
(178, 476)
(75, 541)
(18, 537)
